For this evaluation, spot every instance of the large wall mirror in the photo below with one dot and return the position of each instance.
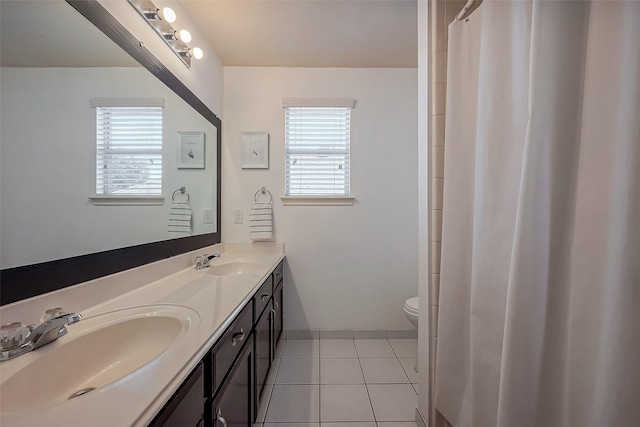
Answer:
(59, 60)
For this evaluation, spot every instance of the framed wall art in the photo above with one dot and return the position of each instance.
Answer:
(191, 154)
(255, 150)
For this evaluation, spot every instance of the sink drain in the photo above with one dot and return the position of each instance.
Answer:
(81, 392)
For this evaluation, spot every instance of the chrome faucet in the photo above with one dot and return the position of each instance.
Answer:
(41, 335)
(203, 261)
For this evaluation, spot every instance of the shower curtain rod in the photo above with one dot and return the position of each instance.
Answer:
(464, 10)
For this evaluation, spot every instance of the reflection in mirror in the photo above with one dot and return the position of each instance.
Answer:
(57, 69)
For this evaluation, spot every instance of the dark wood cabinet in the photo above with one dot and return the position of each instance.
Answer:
(263, 354)
(233, 405)
(277, 318)
(185, 409)
(224, 390)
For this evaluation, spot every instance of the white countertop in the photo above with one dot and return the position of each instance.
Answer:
(212, 302)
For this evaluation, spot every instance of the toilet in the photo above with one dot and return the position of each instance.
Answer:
(411, 310)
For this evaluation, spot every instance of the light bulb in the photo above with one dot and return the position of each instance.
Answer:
(168, 14)
(197, 53)
(185, 36)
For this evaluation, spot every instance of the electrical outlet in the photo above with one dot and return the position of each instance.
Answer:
(238, 216)
(207, 216)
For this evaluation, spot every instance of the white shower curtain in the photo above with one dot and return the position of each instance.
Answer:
(540, 275)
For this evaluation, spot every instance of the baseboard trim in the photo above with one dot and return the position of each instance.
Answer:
(349, 334)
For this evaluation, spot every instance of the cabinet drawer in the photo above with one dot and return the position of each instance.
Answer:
(261, 297)
(277, 275)
(228, 347)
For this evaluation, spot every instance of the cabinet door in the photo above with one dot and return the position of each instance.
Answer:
(262, 356)
(186, 407)
(277, 312)
(233, 405)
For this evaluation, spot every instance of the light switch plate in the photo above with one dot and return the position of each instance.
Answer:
(207, 216)
(238, 216)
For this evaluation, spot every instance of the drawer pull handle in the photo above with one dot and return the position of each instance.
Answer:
(237, 337)
(276, 303)
(278, 274)
(219, 418)
(264, 296)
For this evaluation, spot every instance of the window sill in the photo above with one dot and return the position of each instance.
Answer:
(317, 200)
(113, 200)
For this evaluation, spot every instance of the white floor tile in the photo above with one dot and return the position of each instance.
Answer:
(291, 425)
(405, 348)
(345, 403)
(373, 348)
(280, 347)
(340, 371)
(383, 371)
(294, 403)
(301, 349)
(398, 424)
(273, 371)
(298, 371)
(408, 364)
(264, 402)
(350, 424)
(393, 402)
(337, 349)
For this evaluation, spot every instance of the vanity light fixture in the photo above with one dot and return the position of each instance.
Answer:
(161, 21)
(170, 36)
(168, 14)
(185, 53)
(152, 14)
(185, 36)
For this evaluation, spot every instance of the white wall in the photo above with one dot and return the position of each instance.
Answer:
(48, 160)
(348, 267)
(204, 78)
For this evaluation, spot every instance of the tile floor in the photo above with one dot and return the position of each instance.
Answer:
(341, 383)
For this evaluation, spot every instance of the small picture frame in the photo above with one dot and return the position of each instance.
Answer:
(191, 150)
(255, 150)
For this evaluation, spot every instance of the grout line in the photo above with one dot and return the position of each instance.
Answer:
(366, 387)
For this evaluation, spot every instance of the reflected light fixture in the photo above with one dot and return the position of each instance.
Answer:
(161, 21)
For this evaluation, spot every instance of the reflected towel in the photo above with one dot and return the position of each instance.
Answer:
(261, 221)
(180, 220)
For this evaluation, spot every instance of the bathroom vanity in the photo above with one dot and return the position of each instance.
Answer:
(192, 348)
(226, 387)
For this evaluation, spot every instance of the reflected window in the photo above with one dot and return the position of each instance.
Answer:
(129, 151)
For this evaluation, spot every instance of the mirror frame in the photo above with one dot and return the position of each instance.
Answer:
(31, 280)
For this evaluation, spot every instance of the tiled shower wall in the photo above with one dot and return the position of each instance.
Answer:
(442, 13)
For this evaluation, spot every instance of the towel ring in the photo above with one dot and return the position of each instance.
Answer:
(263, 190)
(181, 190)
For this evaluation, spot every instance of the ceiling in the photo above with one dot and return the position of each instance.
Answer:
(310, 33)
(261, 33)
(49, 33)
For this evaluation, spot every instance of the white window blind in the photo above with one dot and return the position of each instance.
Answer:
(129, 151)
(317, 141)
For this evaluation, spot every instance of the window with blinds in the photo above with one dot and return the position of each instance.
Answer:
(129, 151)
(317, 141)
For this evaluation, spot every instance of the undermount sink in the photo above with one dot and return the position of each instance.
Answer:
(229, 268)
(97, 352)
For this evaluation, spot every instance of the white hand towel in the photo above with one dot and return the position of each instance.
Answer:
(180, 220)
(261, 221)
